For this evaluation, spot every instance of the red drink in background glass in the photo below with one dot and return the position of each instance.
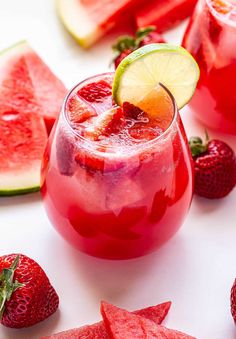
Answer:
(211, 39)
(119, 191)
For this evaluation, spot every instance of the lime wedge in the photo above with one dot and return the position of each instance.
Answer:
(138, 77)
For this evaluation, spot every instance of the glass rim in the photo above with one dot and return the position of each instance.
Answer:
(221, 17)
(144, 144)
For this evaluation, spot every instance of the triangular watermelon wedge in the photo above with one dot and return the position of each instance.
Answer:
(24, 81)
(122, 324)
(89, 20)
(48, 90)
(164, 14)
(155, 313)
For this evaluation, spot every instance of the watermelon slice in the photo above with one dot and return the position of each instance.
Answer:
(164, 14)
(155, 313)
(88, 20)
(27, 101)
(49, 91)
(122, 324)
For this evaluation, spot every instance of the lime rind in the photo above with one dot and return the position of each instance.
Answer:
(145, 68)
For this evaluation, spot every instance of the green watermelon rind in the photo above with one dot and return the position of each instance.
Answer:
(20, 191)
(21, 182)
(17, 49)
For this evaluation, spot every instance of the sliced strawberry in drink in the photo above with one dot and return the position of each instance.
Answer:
(122, 324)
(163, 13)
(90, 161)
(78, 111)
(142, 127)
(131, 111)
(155, 313)
(95, 91)
(105, 123)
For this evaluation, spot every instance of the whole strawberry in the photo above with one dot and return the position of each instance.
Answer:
(215, 167)
(233, 301)
(127, 44)
(121, 56)
(26, 295)
(151, 38)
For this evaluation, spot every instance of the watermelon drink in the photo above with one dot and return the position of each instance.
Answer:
(116, 184)
(211, 39)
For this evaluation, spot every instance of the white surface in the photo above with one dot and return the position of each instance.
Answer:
(195, 270)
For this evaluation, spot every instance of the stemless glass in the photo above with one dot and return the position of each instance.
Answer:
(211, 39)
(134, 201)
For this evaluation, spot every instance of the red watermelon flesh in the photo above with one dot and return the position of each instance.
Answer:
(122, 324)
(105, 11)
(164, 14)
(22, 130)
(48, 91)
(98, 331)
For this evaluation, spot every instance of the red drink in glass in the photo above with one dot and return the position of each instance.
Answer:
(211, 39)
(115, 183)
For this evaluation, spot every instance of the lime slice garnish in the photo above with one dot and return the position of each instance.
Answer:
(138, 77)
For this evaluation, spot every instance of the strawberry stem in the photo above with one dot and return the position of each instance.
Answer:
(125, 42)
(7, 285)
(197, 146)
(142, 33)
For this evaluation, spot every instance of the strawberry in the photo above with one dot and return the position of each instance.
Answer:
(233, 301)
(95, 91)
(127, 44)
(121, 56)
(215, 167)
(26, 295)
(131, 111)
(152, 37)
(78, 111)
(106, 123)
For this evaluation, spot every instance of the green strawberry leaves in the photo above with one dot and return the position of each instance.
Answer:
(125, 42)
(197, 146)
(7, 284)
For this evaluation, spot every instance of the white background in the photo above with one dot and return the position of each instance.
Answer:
(195, 270)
